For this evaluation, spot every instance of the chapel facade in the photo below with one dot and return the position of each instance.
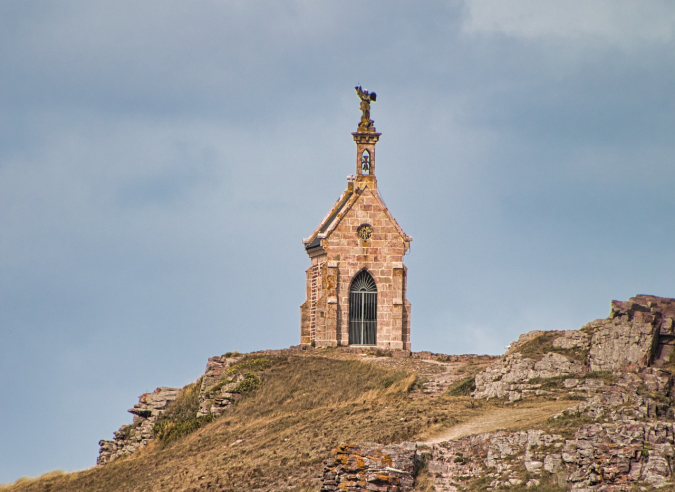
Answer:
(356, 284)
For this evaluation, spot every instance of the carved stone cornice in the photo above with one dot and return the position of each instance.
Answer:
(366, 137)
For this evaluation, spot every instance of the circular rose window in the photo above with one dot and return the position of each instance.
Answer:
(364, 232)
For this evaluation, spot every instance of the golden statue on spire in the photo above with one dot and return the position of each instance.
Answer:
(366, 124)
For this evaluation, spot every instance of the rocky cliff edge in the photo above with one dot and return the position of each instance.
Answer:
(618, 434)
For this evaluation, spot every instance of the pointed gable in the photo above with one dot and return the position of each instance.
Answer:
(358, 238)
(348, 200)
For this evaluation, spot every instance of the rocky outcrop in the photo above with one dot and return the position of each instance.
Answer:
(130, 438)
(618, 369)
(607, 457)
(620, 435)
(638, 333)
(371, 467)
(214, 398)
(512, 376)
(215, 393)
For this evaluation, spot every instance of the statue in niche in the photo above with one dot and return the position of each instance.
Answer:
(366, 124)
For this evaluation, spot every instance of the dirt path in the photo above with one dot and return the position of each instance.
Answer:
(514, 418)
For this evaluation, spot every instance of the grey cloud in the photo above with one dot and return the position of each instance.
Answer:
(160, 164)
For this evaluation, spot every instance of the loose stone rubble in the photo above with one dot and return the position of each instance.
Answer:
(370, 466)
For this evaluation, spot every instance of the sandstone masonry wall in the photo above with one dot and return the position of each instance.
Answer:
(382, 256)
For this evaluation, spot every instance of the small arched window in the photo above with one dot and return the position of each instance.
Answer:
(365, 163)
(363, 310)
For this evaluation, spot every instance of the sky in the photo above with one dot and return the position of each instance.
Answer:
(161, 162)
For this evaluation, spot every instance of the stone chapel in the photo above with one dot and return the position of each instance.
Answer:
(356, 284)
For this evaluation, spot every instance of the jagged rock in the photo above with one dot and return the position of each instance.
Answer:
(600, 457)
(371, 467)
(130, 438)
(553, 365)
(572, 339)
(617, 369)
(657, 380)
(637, 332)
(621, 342)
(631, 401)
(506, 458)
(214, 397)
(215, 401)
(511, 376)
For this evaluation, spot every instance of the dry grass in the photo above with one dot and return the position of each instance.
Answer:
(277, 436)
(536, 347)
(43, 482)
(542, 343)
(527, 415)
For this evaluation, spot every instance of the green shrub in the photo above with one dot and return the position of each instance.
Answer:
(554, 382)
(250, 364)
(170, 430)
(604, 376)
(463, 387)
(180, 417)
(246, 366)
(379, 353)
(540, 345)
(537, 347)
(250, 383)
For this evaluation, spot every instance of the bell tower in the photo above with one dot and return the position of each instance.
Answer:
(357, 282)
(366, 137)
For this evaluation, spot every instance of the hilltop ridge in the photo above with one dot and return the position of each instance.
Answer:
(584, 410)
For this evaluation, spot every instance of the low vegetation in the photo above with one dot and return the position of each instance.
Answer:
(279, 432)
(541, 344)
(567, 425)
(463, 387)
(292, 411)
(181, 419)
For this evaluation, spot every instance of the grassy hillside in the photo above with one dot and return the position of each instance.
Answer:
(278, 434)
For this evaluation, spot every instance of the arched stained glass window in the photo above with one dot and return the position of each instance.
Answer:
(363, 310)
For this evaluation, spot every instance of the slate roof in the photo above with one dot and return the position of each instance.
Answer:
(342, 201)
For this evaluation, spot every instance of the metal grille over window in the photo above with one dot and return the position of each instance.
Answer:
(363, 310)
